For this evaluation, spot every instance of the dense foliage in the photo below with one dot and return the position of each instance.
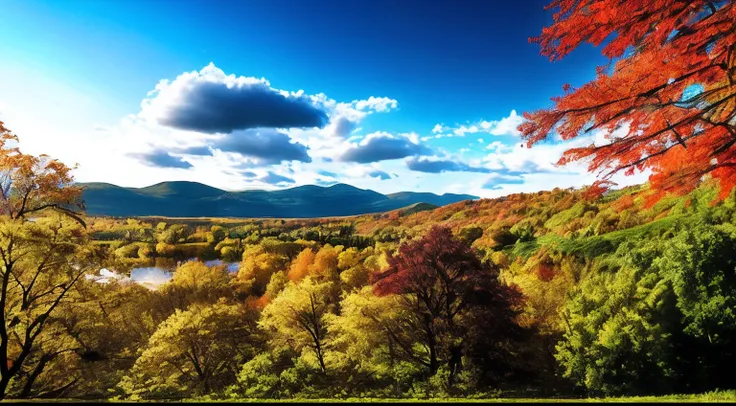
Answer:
(667, 99)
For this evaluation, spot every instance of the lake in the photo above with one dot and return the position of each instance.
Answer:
(153, 276)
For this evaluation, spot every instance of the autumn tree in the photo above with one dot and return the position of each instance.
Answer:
(665, 102)
(353, 272)
(299, 267)
(457, 304)
(110, 322)
(43, 249)
(196, 350)
(296, 317)
(195, 282)
(372, 343)
(256, 269)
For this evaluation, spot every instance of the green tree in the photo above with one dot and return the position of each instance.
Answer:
(616, 339)
(700, 264)
(216, 234)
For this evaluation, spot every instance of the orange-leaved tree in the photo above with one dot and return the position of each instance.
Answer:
(44, 251)
(669, 89)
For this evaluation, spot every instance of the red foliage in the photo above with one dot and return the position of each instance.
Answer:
(444, 273)
(545, 271)
(419, 263)
(624, 203)
(596, 190)
(660, 47)
(258, 303)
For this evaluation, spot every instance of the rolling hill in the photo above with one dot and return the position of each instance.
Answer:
(191, 199)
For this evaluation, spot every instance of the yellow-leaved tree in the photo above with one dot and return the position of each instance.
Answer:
(44, 250)
(196, 350)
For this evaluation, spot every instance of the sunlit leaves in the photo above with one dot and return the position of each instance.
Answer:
(672, 85)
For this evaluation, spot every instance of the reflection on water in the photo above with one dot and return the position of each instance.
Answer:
(231, 266)
(153, 276)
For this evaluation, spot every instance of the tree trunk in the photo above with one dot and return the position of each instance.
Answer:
(4, 381)
(206, 386)
(320, 357)
(434, 364)
(455, 364)
(32, 377)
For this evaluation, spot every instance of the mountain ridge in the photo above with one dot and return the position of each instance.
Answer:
(193, 199)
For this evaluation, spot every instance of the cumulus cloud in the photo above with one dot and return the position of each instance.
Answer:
(439, 128)
(428, 165)
(380, 104)
(341, 127)
(265, 145)
(209, 101)
(201, 150)
(345, 117)
(381, 146)
(274, 179)
(540, 158)
(161, 159)
(504, 126)
(380, 175)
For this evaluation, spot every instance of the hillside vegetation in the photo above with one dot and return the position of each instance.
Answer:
(595, 296)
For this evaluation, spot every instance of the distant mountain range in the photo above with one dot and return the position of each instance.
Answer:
(191, 199)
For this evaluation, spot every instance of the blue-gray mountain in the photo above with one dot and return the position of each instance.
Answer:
(191, 199)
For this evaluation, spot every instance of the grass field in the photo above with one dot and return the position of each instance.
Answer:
(716, 396)
(723, 397)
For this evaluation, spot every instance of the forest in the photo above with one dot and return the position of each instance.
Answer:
(566, 293)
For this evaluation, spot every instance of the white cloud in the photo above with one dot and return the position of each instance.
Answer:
(45, 114)
(439, 128)
(504, 126)
(379, 104)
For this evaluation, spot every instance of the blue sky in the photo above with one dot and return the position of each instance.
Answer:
(386, 95)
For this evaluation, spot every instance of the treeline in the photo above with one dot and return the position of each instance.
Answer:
(138, 241)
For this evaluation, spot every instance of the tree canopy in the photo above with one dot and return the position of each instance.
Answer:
(665, 102)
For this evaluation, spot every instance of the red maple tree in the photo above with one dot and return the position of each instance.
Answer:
(671, 78)
(449, 294)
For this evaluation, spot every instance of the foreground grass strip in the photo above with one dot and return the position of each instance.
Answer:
(718, 396)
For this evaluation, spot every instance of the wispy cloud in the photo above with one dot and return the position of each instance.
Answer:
(161, 159)
(429, 165)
